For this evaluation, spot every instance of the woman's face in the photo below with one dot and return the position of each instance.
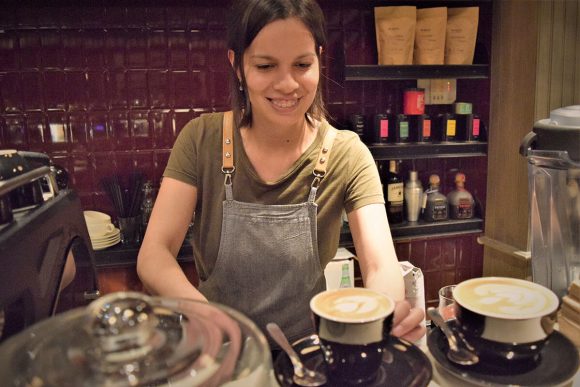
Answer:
(282, 73)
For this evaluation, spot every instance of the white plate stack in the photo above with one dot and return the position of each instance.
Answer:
(102, 232)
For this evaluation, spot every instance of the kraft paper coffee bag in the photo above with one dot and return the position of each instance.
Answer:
(395, 30)
(461, 35)
(430, 36)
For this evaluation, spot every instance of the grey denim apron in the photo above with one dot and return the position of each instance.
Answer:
(268, 266)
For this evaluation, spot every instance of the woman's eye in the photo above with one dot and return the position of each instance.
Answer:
(264, 66)
(304, 65)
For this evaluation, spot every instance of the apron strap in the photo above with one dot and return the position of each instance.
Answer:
(322, 162)
(228, 152)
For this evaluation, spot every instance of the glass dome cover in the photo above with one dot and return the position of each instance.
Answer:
(130, 339)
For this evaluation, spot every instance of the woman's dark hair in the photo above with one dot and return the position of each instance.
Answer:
(247, 19)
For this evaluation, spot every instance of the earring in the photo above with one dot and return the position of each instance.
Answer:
(241, 87)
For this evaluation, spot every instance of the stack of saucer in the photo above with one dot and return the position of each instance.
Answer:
(102, 232)
(569, 319)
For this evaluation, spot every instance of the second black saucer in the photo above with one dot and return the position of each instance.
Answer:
(408, 365)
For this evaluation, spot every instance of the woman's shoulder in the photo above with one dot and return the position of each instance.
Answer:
(205, 121)
(345, 138)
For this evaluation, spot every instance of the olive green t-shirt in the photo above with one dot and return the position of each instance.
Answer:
(351, 181)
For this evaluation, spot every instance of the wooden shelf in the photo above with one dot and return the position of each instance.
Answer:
(422, 229)
(401, 72)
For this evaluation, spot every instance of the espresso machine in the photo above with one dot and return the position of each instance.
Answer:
(42, 229)
(552, 149)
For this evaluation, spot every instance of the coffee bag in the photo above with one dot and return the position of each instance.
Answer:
(395, 30)
(430, 36)
(461, 35)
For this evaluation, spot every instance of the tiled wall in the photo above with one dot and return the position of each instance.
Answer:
(105, 89)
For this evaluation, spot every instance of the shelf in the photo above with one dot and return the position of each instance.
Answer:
(121, 255)
(427, 150)
(422, 229)
(400, 72)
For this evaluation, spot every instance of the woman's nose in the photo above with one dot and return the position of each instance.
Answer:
(286, 82)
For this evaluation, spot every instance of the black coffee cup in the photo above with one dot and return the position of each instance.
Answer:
(354, 326)
(506, 320)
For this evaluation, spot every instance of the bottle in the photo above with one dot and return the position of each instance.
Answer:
(413, 194)
(146, 204)
(345, 277)
(394, 194)
(434, 203)
(461, 202)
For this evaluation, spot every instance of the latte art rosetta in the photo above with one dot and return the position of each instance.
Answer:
(505, 297)
(508, 299)
(354, 305)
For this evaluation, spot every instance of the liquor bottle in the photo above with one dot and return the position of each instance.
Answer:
(461, 202)
(413, 193)
(434, 203)
(394, 194)
(345, 277)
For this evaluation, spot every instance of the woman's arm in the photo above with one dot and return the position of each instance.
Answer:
(380, 267)
(156, 264)
(375, 250)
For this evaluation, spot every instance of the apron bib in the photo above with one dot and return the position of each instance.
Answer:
(268, 266)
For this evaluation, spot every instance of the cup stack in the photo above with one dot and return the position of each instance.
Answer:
(569, 319)
(102, 232)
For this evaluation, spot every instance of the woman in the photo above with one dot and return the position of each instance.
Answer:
(267, 200)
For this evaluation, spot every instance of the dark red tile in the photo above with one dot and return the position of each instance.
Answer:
(51, 54)
(15, 132)
(37, 132)
(157, 50)
(403, 250)
(117, 90)
(75, 88)
(94, 49)
(136, 50)
(97, 90)
(82, 172)
(115, 49)
(31, 90)
(178, 47)
(54, 92)
(59, 133)
(8, 50)
(73, 55)
(11, 92)
(178, 18)
(29, 49)
(79, 131)
(116, 17)
(433, 255)
(119, 127)
(137, 89)
(183, 90)
(99, 135)
(140, 130)
(159, 88)
(199, 47)
(161, 126)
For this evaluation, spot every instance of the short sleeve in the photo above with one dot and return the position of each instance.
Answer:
(182, 164)
(363, 183)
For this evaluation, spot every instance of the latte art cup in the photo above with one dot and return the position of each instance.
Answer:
(354, 326)
(505, 319)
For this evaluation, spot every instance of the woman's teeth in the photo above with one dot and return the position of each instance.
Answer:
(284, 103)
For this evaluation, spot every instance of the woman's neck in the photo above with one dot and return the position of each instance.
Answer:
(275, 136)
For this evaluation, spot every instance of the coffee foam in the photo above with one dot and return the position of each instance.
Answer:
(505, 297)
(351, 305)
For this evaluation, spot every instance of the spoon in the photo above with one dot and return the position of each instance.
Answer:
(456, 353)
(302, 375)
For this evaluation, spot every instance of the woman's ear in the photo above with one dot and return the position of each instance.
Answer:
(232, 59)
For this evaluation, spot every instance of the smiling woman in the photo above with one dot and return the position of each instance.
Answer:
(268, 211)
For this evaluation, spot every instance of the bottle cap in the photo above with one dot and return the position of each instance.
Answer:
(460, 177)
(413, 175)
(434, 180)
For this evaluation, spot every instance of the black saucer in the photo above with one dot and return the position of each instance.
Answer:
(409, 366)
(558, 364)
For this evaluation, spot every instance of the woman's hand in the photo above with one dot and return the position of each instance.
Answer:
(407, 322)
